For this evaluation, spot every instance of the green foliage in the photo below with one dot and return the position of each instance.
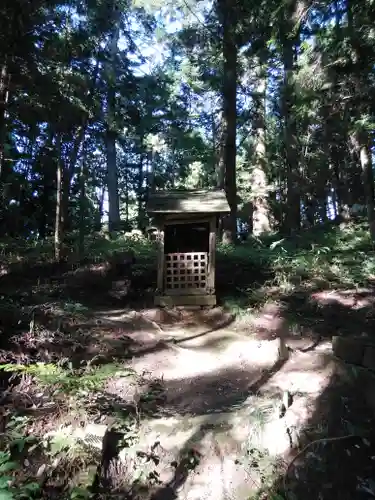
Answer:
(9, 489)
(79, 493)
(68, 380)
(15, 433)
(328, 257)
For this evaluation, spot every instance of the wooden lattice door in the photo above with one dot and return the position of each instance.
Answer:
(186, 273)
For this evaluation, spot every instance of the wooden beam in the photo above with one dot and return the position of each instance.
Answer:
(185, 219)
(185, 300)
(212, 256)
(160, 277)
(185, 291)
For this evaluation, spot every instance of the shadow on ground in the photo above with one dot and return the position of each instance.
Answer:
(337, 449)
(332, 312)
(331, 468)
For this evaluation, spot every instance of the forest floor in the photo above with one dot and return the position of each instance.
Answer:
(105, 396)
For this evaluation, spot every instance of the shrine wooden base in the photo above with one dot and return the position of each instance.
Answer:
(184, 300)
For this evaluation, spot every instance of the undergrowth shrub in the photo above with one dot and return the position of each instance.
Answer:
(67, 380)
(327, 256)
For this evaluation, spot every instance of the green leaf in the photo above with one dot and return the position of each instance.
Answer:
(31, 488)
(8, 466)
(4, 457)
(4, 481)
(79, 493)
(6, 495)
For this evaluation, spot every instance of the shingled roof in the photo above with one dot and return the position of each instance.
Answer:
(202, 201)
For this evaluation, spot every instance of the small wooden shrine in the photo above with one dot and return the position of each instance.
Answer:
(186, 223)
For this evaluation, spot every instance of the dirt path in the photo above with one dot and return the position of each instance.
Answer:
(221, 397)
(215, 425)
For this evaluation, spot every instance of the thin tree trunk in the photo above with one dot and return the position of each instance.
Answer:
(361, 142)
(228, 21)
(112, 182)
(4, 95)
(338, 183)
(334, 118)
(65, 196)
(140, 186)
(260, 189)
(99, 213)
(48, 186)
(82, 209)
(111, 136)
(126, 196)
(68, 175)
(214, 144)
(368, 182)
(289, 41)
(220, 155)
(58, 225)
(74, 154)
(78, 139)
(361, 138)
(290, 137)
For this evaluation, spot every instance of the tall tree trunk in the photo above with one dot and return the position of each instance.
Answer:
(82, 209)
(220, 153)
(112, 182)
(368, 182)
(363, 146)
(99, 211)
(111, 136)
(4, 86)
(4, 93)
(288, 43)
(361, 138)
(68, 175)
(214, 145)
(335, 134)
(78, 139)
(140, 188)
(228, 20)
(260, 188)
(65, 196)
(48, 186)
(127, 195)
(59, 180)
(337, 180)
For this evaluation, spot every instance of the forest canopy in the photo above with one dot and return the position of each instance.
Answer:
(102, 102)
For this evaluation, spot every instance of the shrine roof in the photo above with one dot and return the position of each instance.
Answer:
(193, 202)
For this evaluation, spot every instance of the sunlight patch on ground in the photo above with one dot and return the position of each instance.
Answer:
(179, 363)
(307, 373)
(220, 441)
(353, 298)
(269, 318)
